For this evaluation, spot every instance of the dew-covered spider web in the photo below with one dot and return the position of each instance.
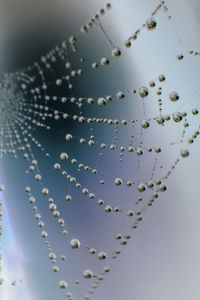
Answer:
(94, 132)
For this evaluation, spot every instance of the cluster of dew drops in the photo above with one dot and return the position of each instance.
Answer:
(26, 104)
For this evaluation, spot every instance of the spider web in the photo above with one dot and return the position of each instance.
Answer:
(96, 143)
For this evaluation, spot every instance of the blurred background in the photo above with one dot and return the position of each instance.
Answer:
(161, 260)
